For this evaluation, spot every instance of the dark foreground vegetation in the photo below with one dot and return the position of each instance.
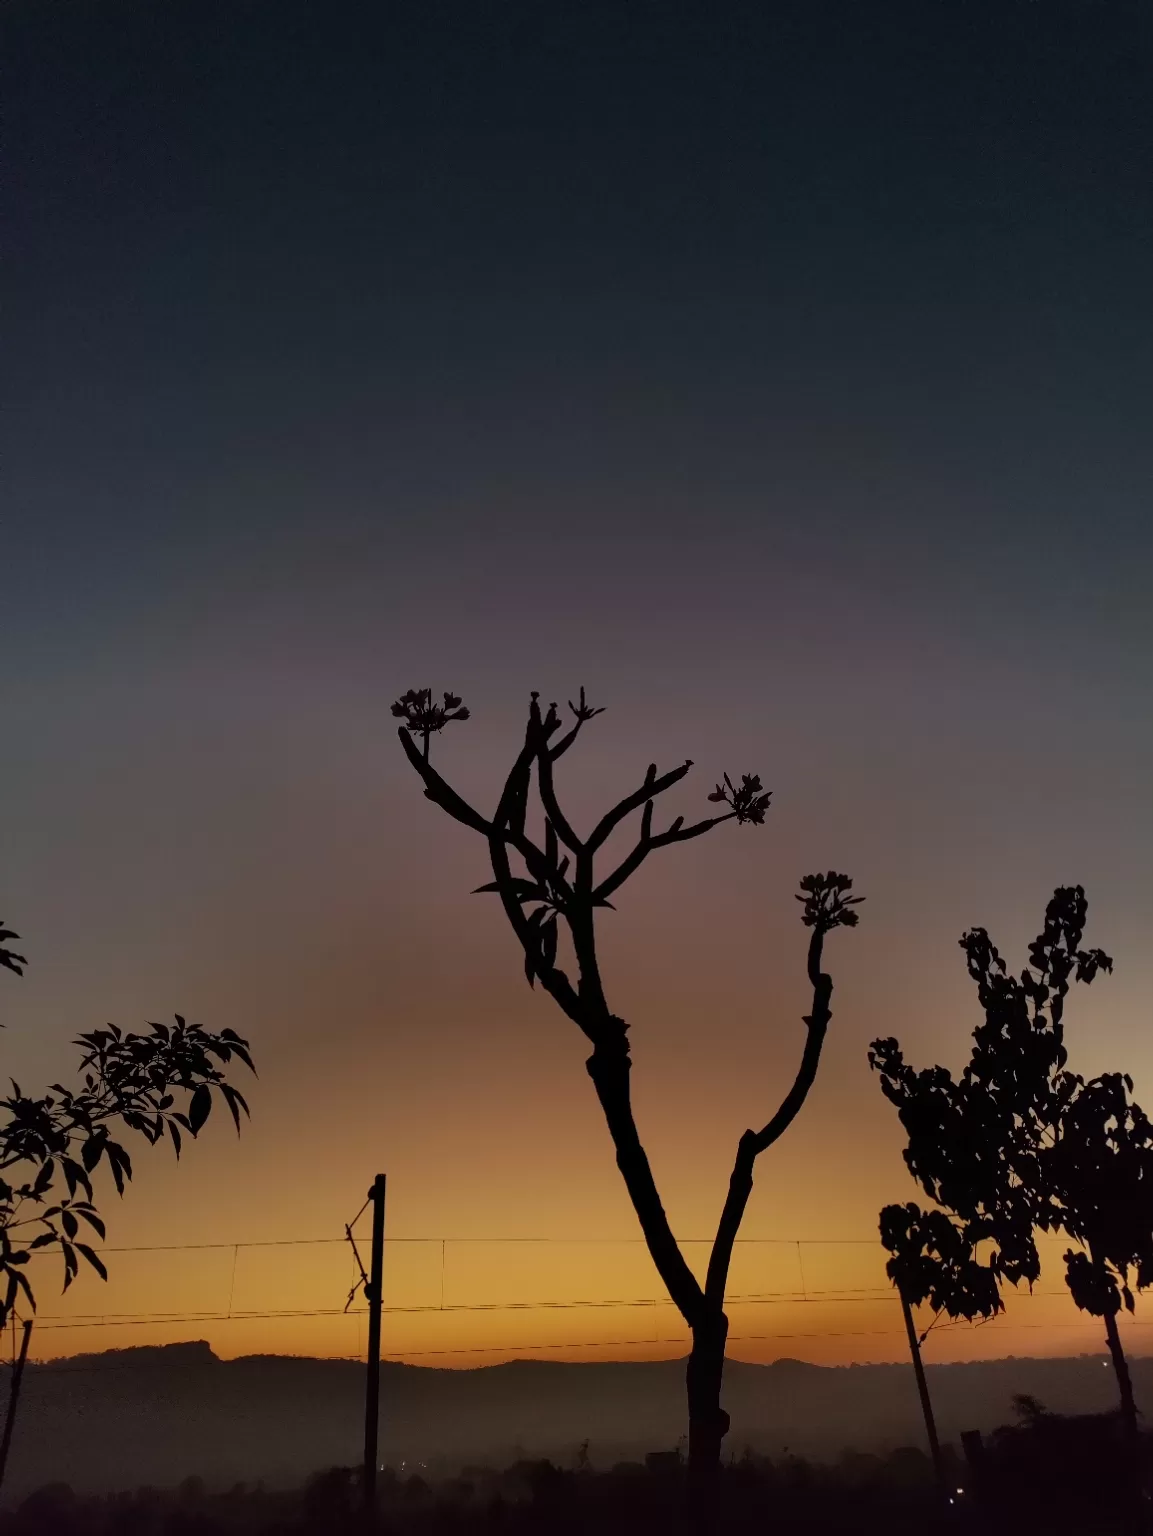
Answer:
(1051, 1472)
(533, 1496)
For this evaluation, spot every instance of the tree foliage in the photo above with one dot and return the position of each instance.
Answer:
(1099, 1176)
(931, 1260)
(9, 958)
(155, 1085)
(1020, 1144)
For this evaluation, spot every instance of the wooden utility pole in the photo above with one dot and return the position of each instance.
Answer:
(923, 1390)
(14, 1398)
(372, 1292)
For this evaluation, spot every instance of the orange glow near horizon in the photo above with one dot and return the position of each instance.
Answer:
(467, 1303)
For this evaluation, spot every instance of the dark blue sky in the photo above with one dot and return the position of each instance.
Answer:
(371, 275)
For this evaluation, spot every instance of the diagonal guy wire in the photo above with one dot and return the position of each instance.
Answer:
(363, 1281)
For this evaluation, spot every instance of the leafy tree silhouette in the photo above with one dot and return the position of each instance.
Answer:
(50, 1146)
(548, 888)
(1098, 1173)
(1019, 1143)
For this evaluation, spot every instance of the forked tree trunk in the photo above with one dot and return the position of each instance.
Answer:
(609, 1068)
(708, 1421)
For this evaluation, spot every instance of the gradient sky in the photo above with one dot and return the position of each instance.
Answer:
(781, 373)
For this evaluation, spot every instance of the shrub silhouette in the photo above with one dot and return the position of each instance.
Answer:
(548, 889)
(1063, 1471)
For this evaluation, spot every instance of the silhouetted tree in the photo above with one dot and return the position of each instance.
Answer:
(931, 1260)
(1019, 1143)
(1098, 1174)
(548, 888)
(50, 1146)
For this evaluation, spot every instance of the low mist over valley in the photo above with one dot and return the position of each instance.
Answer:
(158, 1415)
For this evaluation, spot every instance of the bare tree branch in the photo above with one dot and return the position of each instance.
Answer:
(652, 787)
(441, 793)
(609, 1067)
(677, 833)
(583, 712)
(753, 1143)
(512, 802)
(551, 804)
(438, 791)
(555, 982)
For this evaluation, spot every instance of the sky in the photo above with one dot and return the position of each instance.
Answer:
(780, 374)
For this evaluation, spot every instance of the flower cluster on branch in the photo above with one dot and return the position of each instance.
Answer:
(424, 717)
(750, 802)
(827, 903)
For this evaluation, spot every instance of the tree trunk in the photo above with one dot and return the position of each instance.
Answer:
(926, 1400)
(708, 1421)
(609, 1067)
(1140, 1504)
(1124, 1381)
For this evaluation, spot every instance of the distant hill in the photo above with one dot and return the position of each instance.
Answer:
(157, 1415)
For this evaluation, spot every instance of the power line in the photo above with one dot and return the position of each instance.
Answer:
(497, 1349)
(740, 1338)
(879, 1294)
(290, 1242)
(858, 1293)
(848, 1296)
(765, 1298)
